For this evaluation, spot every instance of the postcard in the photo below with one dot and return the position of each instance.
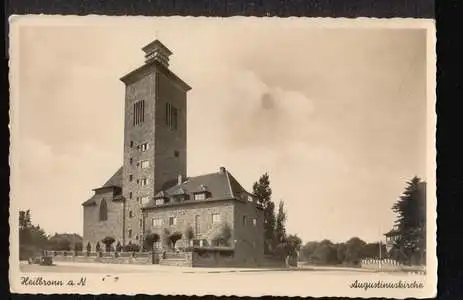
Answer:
(236, 156)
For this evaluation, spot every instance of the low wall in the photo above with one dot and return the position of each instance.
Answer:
(143, 258)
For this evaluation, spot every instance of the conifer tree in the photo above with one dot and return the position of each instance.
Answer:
(263, 192)
(411, 221)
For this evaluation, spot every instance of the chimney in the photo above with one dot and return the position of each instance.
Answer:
(179, 179)
(222, 170)
(156, 51)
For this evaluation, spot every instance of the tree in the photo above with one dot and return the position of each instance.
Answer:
(189, 234)
(223, 238)
(32, 239)
(353, 252)
(78, 247)
(325, 253)
(411, 221)
(308, 250)
(97, 247)
(89, 247)
(280, 228)
(150, 239)
(118, 247)
(263, 192)
(174, 237)
(371, 250)
(108, 241)
(341, 250)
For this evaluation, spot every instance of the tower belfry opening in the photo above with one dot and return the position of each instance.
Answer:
(156, 51)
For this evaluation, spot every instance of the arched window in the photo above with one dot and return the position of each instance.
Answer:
(103, 210)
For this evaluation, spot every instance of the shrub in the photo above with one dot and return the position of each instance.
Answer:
(89, 247)
(223, 238)
(131, 247)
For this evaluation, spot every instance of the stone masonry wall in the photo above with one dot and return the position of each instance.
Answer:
(249, 237)
(185, 216)
(96, 230)
(142, 89)
(169, 142)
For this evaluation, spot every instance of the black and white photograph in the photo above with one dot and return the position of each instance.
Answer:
(210, 156)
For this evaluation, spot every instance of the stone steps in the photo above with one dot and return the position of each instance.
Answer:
(179, 262)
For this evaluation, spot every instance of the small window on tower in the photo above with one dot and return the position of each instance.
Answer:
(130, 195)
(145, 164)
(130, 233)
(131, 144)
(171, 116)
(130, 214)
(131, 160)
(130, 177)
(138, 112)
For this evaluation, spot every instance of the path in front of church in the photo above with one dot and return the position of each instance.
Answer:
(70, 267)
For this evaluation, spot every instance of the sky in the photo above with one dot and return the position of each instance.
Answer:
(336, 116)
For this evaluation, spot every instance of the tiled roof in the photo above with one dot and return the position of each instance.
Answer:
(90, 201)
(219, 185)
(114, 181)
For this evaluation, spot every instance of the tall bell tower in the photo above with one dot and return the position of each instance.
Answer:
(155, 134)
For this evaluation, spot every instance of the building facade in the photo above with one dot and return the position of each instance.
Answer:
(151, 192)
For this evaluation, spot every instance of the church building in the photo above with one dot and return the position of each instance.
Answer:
(151, 192)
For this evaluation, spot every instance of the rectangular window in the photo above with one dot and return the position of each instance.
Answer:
(144, 199)
(130, 195)
(215, 218)
(244, 220)
(172, 221)
(157, 222)
(197, 228)
(140, 223)
(131, 144)
(144, 181)
(254, 222)
(145, 164)
(130, 177)
(138, 112)
(130, 233)
(200, 196)
(131, 161)
(130, 214)
(171, 116)
(144, 147)
(159, 201)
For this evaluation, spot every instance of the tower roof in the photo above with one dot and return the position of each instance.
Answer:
(157, 51)
(156, 45)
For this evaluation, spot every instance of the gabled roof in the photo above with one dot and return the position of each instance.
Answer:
(114, 182)
(219, 185)
(90, 201)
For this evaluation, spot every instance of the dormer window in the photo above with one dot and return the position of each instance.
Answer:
(200, 196)
(159, 201)
(250, 198)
